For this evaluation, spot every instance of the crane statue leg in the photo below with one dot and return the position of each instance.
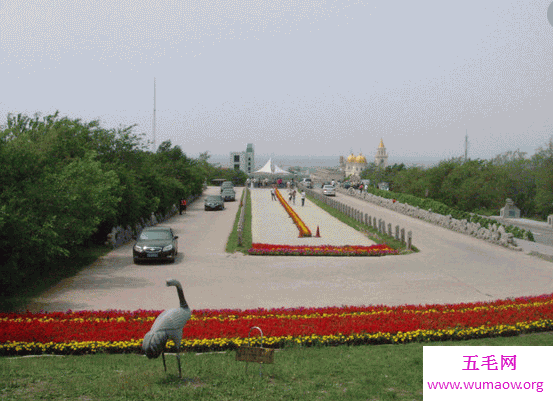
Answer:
(163, 357)
(178, 362)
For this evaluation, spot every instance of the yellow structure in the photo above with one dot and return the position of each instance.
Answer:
(354, 165)
(381, 158)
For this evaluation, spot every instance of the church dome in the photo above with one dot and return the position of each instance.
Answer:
(351, 158)
(361, 159)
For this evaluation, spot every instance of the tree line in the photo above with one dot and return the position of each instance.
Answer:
(478, 186)
(65, 183)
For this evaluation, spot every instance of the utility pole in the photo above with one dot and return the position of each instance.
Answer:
(154, 123)
(466, 144)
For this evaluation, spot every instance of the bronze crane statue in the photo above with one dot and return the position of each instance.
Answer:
(167, 326)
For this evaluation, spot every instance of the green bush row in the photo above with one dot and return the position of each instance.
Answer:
(440, 208)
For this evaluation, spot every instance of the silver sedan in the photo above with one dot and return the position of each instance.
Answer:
(329, 190)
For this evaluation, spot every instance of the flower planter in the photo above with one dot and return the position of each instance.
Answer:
(321, 250)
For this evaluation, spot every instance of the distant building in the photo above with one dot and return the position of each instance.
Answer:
(354, 165)
(244, 161)
(381, 158)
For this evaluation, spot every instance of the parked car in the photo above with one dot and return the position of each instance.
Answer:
(214, 202)
(307, 182)
(228, 194)
(329, 190)
(155, 243)
(227, 184)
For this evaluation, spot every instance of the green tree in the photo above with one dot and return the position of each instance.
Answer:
(410, 181)
(543, 160)
(435, 177)
(516, 179)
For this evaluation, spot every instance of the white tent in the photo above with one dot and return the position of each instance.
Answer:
(268, 168)
(278, 170)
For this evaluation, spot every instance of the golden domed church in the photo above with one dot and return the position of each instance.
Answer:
(354, 165)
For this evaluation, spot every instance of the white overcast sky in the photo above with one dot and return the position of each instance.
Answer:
(298, 78)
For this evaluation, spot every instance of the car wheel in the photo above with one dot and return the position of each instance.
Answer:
(135, 261)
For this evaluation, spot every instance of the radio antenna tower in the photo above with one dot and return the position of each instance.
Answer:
(154, 123)
(466, 144)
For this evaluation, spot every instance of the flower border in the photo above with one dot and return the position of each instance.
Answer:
(304, 230)
(321, 250)
(208, 330)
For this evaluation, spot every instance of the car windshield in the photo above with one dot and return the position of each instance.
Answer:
(328, 187)
(159, 234)
(214, 198)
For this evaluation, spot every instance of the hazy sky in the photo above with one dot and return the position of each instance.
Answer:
(300, 78)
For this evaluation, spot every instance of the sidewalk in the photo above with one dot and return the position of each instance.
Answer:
(539, 224)
(272, 225)
(529, 246)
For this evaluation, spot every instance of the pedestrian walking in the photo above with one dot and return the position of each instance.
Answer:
(273, 195)
(294, 196)
(303, 197)
(182, 206)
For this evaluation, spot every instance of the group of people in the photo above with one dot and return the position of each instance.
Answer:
(261, 183)
(291, 195)
(255, 183)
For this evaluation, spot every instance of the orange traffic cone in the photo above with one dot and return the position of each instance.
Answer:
(318, 233)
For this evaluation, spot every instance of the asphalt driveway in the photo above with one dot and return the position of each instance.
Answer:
(450, 268)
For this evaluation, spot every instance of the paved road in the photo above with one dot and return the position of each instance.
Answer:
(543, 233)
(450, 268)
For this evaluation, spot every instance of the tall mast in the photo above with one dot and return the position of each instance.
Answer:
(466, 144)
(154, 123)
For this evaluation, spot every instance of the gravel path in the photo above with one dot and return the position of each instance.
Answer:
(272, 225)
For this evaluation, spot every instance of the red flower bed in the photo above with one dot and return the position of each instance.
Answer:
(321, 250)
(120, 331)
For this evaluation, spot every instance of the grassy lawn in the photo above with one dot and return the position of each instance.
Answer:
(232, 242)
(378, 372)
